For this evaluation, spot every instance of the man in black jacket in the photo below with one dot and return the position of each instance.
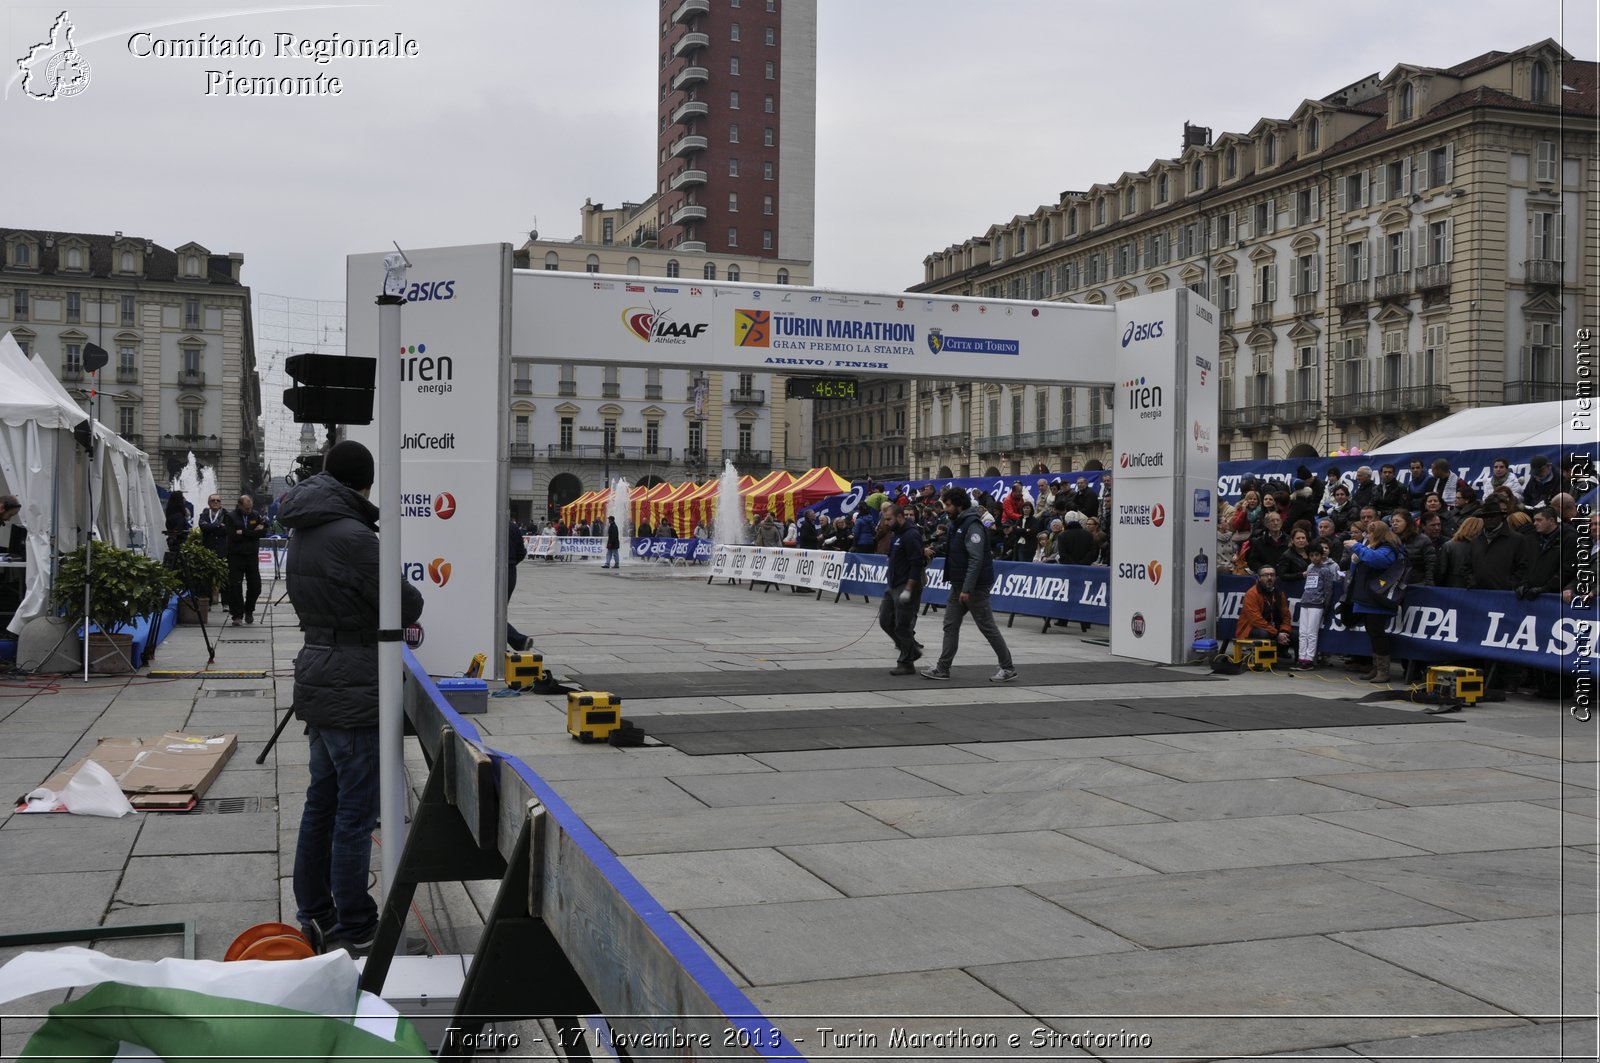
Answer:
(1391, 494)
(969, 570)
(897, 615)
(333, 580)
(213, 525)
(245, 529)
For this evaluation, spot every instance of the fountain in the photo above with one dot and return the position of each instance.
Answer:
(727, 524)
(197, 484)
(620, 509)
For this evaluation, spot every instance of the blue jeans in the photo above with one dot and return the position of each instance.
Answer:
(334, 855)
(613, 559)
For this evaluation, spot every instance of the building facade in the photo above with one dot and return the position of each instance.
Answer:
(737, 127)
(1412, 245)
(177, 326)
(576, 427)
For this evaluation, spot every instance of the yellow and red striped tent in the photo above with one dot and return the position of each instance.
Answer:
(808, 490)
(664, 506)
(704, 508)
(757, 499)
(574, 510)
(685, 508)
(644, 499)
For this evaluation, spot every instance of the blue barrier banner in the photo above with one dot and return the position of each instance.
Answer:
(1446, 624)
(1060, 592)
(672, 549)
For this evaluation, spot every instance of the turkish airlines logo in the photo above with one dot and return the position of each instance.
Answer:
(444, 506)
(439, 571)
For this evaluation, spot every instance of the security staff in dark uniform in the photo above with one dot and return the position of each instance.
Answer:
(969, 570)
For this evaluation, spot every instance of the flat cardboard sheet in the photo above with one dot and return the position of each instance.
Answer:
(168, 773)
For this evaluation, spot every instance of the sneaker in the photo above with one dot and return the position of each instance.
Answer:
(935, 673)
(1004, 675)
(902, 669)
(527, 644)
(356, 948)
(314, 935)
(250, 618)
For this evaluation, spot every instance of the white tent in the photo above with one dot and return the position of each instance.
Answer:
(1534, 424)
(38, 462)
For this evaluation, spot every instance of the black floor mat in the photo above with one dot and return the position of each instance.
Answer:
(706, 733)
(843, 680)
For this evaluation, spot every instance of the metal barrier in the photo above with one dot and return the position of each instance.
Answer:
(571, 931)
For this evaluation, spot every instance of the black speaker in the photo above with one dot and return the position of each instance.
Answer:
(330, 388)
(94, 357)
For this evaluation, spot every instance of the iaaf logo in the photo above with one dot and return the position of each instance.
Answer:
(1154, 516)
(651, 326)
(1150, 330)
(437, 570)
(1140, 459)
(1150, 570)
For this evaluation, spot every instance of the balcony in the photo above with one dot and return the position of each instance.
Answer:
(1248, 417)
(1305, 304)
(1520, 391)
(690, 75)
(598, 452)
(1389, 401)
(567, 388)
(953, 441)
(690, 109)
(688, 143)
(191, 378)
(1303, 411)
(1352, 293)
(1078, 435)
(894, 433)
(1053, 437)
(690, 42)
(127, 374)
(695, 246)
(694, 456)
(1261, 313)
(689, 9)
(1024, 440)
(520, 386)
(684, 178)
(643, 238)
(1543, 271)
(136, 438)
(990, 444)
(747, 397)
(72, 373)
(1225, 319)
(693, 384)
(202, 446)
(1393, 286)
(1433, 278)
(522, 452)
(688, 212)
(748, 459)
(652, 392)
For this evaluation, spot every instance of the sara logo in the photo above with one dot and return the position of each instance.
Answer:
(1136, 333)
(431, 291)
(935, 340)
(1150, 570)
(444, 505)
(752, 328)
(651, 326)
(437, 570)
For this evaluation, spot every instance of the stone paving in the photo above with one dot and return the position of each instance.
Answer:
(1380, 892)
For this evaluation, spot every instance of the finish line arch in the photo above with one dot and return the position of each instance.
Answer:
(468, 313)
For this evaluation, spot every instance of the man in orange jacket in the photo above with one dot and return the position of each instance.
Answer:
(1264, 613)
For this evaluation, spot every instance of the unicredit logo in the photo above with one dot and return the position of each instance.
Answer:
(424, 441)
(444, 505)
(1140, 459)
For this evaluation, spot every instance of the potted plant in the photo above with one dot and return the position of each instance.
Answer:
(122, 587)
(200, 572)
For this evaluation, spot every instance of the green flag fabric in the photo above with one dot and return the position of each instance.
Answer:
(198, 1028)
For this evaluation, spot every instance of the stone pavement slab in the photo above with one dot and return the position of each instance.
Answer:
(1409, 756)
(1463, 828)
(867, 757)
(1533, 1041)
(1081, 773)
(806, 940)
(926, 864)
(198, 878)
(1250, 904)
(58, 900)
(1493, 885)
(1557, 771)
(725, 878)
(632, 832)
(931, 817)
(607, 762)
(1448, 786)
(1280, 738)
(1056, 748)
(1236, 799)
(802, 787)
(101, 847)
(1221, 765)
(191, 833)
(1538, 966)
(1209, 845)
(593, 796)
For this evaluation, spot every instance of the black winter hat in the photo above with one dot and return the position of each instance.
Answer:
(351, 464)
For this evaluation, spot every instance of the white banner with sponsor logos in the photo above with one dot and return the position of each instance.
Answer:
(564, 546)
(816, 570)
(454, 367)
(784, 329)
(1163, 434)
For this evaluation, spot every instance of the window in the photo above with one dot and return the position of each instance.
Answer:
(73, 362)
(768, 137)
(733, 133)
(74, 307)
(1305, 274)
(1163, 188)
(127, 309)
(1434, 342)
(1303, 379)
(125, 263)
(566, 432)
(1396, 180)
(770, 105)
(1539, 83)
(1441, 166)
(633, 267)
(1100, 212)
(1314, 134)
(733, 66)
(766, 239)
(652, 437)
(1022, 240)
(1072, 222)
(733, 273)
(1271, 149)
(1397, 252)
(191, 313)
(1130, 201)
(1355, 191)
(1068, 407)
(672, 267)
(772, 38)
(1355, 261)
(610, 434)
(766, 204)
(22, 253)
(191, 361)
(733, 202)
(733, 31)
(592, 264)
(1044, 230)
(127, 421)
(191, 265)
(1266, 218)
(1230, 163)
(520, 432)
(783, 276)
(1228, 291)
(696, 437)
(733, 167)
(19, 305)
(733, 100)
(1545, 235)
(1266, 283)
(607, 230)
(191, 424)
(772, 70)
(1544, 170)
(768, 170)
(127, 359)
(1197, 177)
(733, 236)
(710, 271)
(772, 7)
(74, 258)
(994, 417)
(1408, 101)
(746, 438)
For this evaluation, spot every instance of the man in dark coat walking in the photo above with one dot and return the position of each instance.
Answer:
(333, 578)
(897, 615)
(245, 529)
